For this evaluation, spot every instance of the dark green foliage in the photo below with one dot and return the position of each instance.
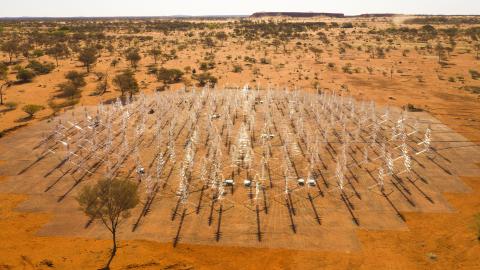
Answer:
(110, 201)
(169, 76)
(207, 66)
(32, 109)
(25, 75)
(126, 82)
(133, 56)
(3, 71)
(76, 78)
(88, 56)
(475, 74)
(40, 68)
(347, 25)
(69, 90)
(237, 68)
(205, 79)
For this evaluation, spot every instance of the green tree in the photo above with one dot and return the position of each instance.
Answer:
(32, 109)
(3, 71)
(110, 201)
(205, 79)
(25, 49)
(11, 47)
(133, 56)
(76, 78)
(57, 51)
(25, 75)
(3, 77)
(169, 76)
(69, 90)
(88, 56)
(40, 68)
(126, 82)
(209, 43)
(222, 36)
(155, 53)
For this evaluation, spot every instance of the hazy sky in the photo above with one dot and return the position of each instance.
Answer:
(68, 8)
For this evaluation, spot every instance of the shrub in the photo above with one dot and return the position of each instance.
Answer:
(206, 79)
(11, 105)
(76, 78)
(347, 68)
(32, 109)
(69, 90)
(39, 68)
(475, 74)
(237, 68)
(207, 65)
(411, 108)
(169, 76)
(38, 53)
(3, 71)
(265, 61)
(472, 89)
(126, 83)
(25, 75)
(250, 59)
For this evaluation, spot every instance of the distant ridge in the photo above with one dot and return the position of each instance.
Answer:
(296, 14)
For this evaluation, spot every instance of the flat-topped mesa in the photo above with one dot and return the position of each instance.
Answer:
(296, 14)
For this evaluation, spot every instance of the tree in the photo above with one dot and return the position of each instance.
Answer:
(58, 51)
(132, 55)
(88, 56)
(25, 75)
(11, 48)
(477, 50)
(317, 52)
(40, 68)
(25, 49)
(169, 76)
(126, 82)
(222, 36)
(206, 79)
(209, 43)
(3, 77)
(110, 201)
(68, 90)
(440, 51)
(76, 78)
(3, 71)
(276, 43)
(32, 109)
(155, 53)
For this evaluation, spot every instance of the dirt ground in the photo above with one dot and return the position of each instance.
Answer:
(431, 240)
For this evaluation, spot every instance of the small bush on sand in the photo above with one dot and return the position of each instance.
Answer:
(32, 109)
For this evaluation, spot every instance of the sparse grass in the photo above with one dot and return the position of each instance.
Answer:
(472, 89)
(11, 105)
(475, 74)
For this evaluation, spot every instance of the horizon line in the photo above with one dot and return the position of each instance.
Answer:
(226, 15)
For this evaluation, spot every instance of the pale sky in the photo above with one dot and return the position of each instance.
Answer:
(91, 8)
